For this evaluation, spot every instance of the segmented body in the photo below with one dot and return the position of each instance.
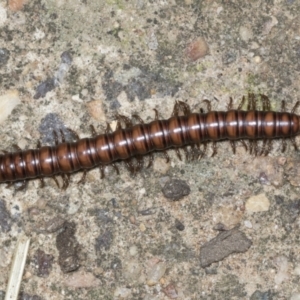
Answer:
(140, 139)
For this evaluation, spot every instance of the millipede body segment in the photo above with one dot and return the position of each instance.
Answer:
(140, 139)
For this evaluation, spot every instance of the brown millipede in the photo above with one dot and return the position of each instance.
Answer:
(181, 129)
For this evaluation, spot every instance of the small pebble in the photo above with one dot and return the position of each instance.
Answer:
(269, 24)
(52, 225)
(68, 248)
(156, 273)
(142, 227)
(122, 293)
(263, 178)
(248, 224)
(197, 49)
(82, 280)
(42, 263)
(257, 59)
(283, 269)
(257, 203)
(27, 275)
(281, 160)
(179, 226)
(246, 33)
(8, 102)
(73, 207)
(133, 250)
(132, 219)
(95, 109)
(292, 170)
(16, 5)
(176, 189)
(104, 241)
(160, 165)
(132, 270)
(170, 291)
(224, 244)
(44, 87)
(41, 203)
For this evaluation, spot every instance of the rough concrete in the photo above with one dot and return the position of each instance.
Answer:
(130, 57)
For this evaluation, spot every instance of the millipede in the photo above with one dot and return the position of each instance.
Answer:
(129, 140)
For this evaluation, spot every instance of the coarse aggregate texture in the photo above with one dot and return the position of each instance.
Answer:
(82, 61)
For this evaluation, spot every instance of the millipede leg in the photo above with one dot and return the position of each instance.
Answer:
(294, 143)
(108, 128)
(22, 186)
(283, 145)
(214, 148)
(186, 152)
(129, 165)
(263, 148)
(16, 147)
(283, 106)
(265, 102)
(197, 151)
(101, 168)
(66, 181)
(156, 114)
(166, 155)
(178, 153)
(125, 120)
(38, 144)
(93, 130)
(119, 125)
(116, 168)
(242, 103)
(175, 110)
(204, 150)
(255, 145)
(74, 133)
(151, 159)
(138, 118)
(42, 181)
(140, 163)
(269, 147)
(9, 184)
(230, 104)
(83, 178)
(295, 107)
(63, 138)
(244, 145)
(251, 102)
(193, 152)
(184, 107)
(208, 104)
(56, 181)
(55, 137)
(233, 146)
(250, 146)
